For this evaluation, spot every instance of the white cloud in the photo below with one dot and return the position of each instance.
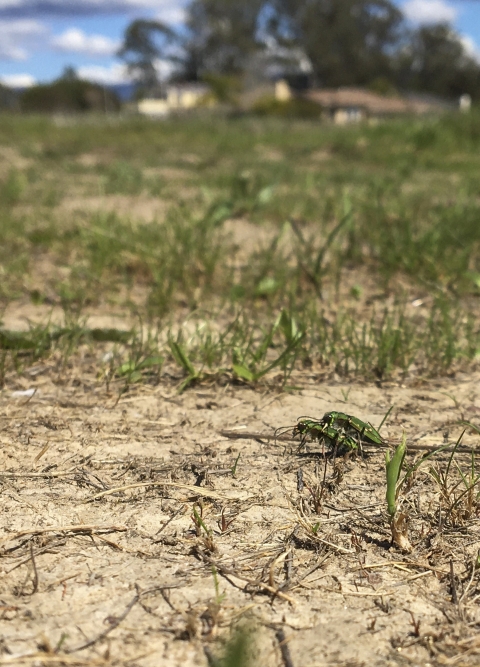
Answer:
(18, 80)
(164, 68)
(471, 47)
(17, 36)
(114, 74)
(429, 11)
(118, 73)
(74, 40)
(172, 13)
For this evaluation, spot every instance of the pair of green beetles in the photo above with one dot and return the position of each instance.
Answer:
(337, 430)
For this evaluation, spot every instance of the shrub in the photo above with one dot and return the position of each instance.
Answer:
(297, 107)
(68, 96)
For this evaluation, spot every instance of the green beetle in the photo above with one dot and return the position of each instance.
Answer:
(339, 430)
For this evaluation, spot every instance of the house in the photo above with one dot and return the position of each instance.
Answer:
(177, 97)
(186, 95)
(350, 105)
(155, 108)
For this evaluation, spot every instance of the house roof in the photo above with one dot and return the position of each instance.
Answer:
(191, 87)
(371, 102)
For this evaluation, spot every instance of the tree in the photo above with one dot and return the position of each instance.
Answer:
(348, 42)
(8, 99)
(435, 61)
(69, 74)
(68, 96)
(222, 36)
(145, 43)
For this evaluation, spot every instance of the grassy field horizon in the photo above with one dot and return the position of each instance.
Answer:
(244, 247)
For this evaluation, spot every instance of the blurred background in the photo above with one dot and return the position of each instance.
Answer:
(248, 190)
(208, 52)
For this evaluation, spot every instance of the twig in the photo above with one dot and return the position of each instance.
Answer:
(288, 566)
(452, 584)
(77, 528)
(35, 572)
(227, 571)
(284, 437)
(307, 574)
(164, 525)
(467, 587)
(316, 538)
(198, 491)
(248, 435)
(399, 563)
(283, 644)
(414, 577)
(119, 619)
(35, 475)
(41, 658)
(106, 632)
(49, 546)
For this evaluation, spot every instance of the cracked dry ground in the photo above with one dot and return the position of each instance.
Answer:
(128, 579)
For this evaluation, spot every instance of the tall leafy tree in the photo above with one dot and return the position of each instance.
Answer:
(145, 43)
(348, 42)
(435, 60)
(222, 35)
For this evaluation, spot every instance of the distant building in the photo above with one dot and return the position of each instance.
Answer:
(351, 105)
(178, 97)
(465, 103)
(283, 92)
(186, 95)
(153, 107)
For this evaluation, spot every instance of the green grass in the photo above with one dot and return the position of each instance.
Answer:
(353, 226)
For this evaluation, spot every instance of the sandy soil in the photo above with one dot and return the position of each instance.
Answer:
(126, 577)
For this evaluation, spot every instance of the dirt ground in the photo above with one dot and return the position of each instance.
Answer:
(132, 577)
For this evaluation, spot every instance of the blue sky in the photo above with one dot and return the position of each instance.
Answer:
(39, 38)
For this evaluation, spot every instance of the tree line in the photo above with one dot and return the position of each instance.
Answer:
(331, 43)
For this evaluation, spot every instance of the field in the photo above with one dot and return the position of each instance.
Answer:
(173, 293)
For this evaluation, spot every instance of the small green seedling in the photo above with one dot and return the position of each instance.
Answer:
(197, 518)
(224, 524)
(234, 467)
(237, 652)
(393, 467)
(183, 360)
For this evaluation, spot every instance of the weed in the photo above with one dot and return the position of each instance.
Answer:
(234, 467)
(122, 177)
(275, 305)
(183, 360)
(237, 652)
(312, 259)
(224, 524)
(201, 529)
(458, 489)
(251, 364)
(398, 520)
(13, 188)
(143, 359)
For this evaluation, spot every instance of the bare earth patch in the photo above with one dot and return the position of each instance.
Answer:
(104, 562)
(139, 208)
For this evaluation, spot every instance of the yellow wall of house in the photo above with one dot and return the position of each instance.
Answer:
(282, 91)
(152, 107)
(344, 116)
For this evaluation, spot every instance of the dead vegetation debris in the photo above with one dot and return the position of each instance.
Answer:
(121, 546)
